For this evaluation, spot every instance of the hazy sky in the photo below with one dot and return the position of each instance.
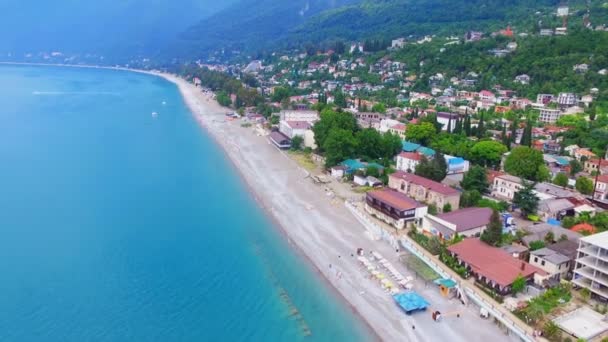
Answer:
(81, 25)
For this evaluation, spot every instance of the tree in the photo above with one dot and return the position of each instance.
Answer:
(223, 99)
(421, 133)
(379, 108)
(584, 185)
(524, 162)
(475, 179)
(296, 142)
(391, 145)
(526, 139)
(331, 120)
(550, 331)
(488, 153)
(435, 169)
(469, 198)
(561, 179)
(467, 126)
(526, 199)
(518, 285)
(481, 130)
(340, 99)
(493, 233)
(339, 145)
(535, 245)
(369, 141)
(543, 174)
(279, 94)
(432, 119)
(549, 237)
(432, 209)
(447, 208)
(513, 136)
(575, 167)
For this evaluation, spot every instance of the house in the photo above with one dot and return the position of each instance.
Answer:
(591, 269)
(549, 115)
(456, 164)
(505, 186)
(445, 119)
(601, 190)
(424, 190)
(354, 165)
(596, 165)
(279, 140)
(394, 208)
(486, 95)
(570, 149)
(398, 130)
(468, 222)
(410, 146)
(492, 266)
(309, 116)
(583, 154)
(580, 68)
(292, 129)
(555, 209)
(554, 263)
(407, 161)
(522, 79)
(566, 99)
(338, 171)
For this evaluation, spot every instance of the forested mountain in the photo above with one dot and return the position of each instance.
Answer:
(251, 25)
(114, 27)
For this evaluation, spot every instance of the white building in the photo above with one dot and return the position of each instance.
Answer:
(506, 186)
(591, 270)
(407, 161)
(310, 116)
(566, 99)
(549, 115)
(294, 128)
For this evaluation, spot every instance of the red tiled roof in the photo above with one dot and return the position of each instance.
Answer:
(427, 183)
(492, 263)
(298, 124)
(468, 218)
(602, 178)
(394, 199)
(410, 155)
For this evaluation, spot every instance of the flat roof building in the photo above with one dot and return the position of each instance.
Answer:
(591, 270)
(394, 207)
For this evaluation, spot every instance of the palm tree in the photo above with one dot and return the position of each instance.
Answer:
(550, 330)
(534, 312)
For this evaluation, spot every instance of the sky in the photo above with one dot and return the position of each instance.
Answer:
(97, 26)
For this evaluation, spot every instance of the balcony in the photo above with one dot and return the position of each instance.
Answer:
(588, 273)
(587, 283)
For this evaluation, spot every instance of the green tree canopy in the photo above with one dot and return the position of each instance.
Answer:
(584, 185)
(421, 133)
(518, 285)
(435, 169)
(493, 233)
(561, 179)
(475, 179)
(339, 146)
(488, 153)
(524, 162)
(526, 199)
(331, 120)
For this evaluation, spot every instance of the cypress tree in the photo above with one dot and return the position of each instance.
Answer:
(467, 126)
(480, 126)
(450, 124)
(513, 137)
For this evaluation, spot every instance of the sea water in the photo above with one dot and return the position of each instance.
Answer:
(120, 225)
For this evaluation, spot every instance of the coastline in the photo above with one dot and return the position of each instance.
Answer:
(323, 232)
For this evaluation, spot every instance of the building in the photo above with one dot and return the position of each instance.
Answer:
(292, 129)
(279, 140)
(468, 222)
(424, 190)
(407, 161)
(538, 232)
(596, 165)
(456, 164)
(445, 119)
(566, 99)
(549, 115)
(583, 154)
(309, 116)
(601, 190)
(398, 130)
(394, 208)
(554, 263)
(505, 186)
(591, 269)
(493, 267)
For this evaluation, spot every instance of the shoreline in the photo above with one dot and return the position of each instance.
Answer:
(320, 230)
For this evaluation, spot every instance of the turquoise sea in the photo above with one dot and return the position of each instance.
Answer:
(116, 225)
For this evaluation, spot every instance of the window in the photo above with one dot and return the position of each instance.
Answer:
(535, 259)
(402, 186)
(542, 263)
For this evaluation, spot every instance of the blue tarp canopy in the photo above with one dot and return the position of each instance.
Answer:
(449, 283)
(428, 152)
(410, 301)
(410, 146)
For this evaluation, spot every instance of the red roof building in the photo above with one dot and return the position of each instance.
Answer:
(424, 190)
(492, 266)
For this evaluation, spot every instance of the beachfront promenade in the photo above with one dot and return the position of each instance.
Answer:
(466, 287)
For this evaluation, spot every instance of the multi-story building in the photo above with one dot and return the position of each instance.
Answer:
(601, 190)
(591, 270)
(292, 129)
(299, 115)
(505, 186)
(407, 161)
(566, 99)
(424, 190)
(394, 208)
(549, 115)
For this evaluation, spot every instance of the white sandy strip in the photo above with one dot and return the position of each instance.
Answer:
(328, 234)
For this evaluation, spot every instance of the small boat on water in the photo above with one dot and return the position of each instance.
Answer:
(164, 103)
(154, 114)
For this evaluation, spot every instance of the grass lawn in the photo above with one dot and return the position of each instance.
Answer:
(304, 160)
(423, 270)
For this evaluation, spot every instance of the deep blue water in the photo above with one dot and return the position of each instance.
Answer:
(117, 226)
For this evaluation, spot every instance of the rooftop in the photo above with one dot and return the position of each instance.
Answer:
(600, 240)
(468, 218)
(492, 263)
(298, 124)
(510, 178)
(566, 247)
(394, 199)
(425, 182)
(550, 255)
(410, 146)
(410, 155)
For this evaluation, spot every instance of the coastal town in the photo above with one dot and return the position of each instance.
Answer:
(496, 201)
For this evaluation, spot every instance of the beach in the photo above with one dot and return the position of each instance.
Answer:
(327, 234)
